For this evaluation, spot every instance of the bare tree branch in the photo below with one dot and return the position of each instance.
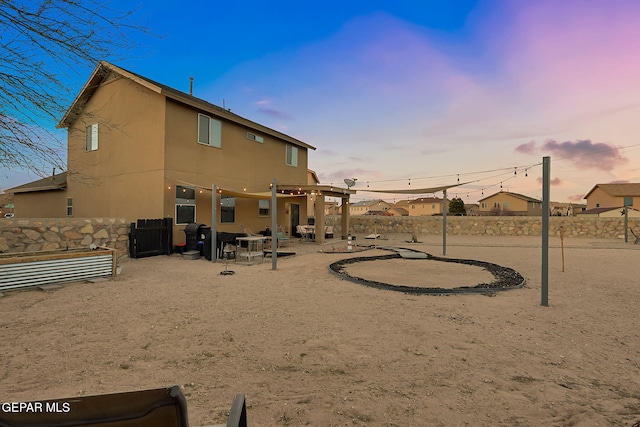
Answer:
(43, 44)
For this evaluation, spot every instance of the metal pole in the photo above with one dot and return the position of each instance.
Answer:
(214, 223)
(444, 223)
(274, 225)
(546, 181)
(626, 224)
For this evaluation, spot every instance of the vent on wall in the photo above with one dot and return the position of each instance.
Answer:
(254, 137)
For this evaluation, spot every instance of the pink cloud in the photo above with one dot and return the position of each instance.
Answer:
(585, 154)
(527, 148)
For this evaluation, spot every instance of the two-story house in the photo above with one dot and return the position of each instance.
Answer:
(364, 206)
(614, 196)
(140, 149)
(507, 203)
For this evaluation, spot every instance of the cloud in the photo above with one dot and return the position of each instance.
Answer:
(338, 176)
(275, 113)
(586, 154)
(555, 182)
(528, 148)
(578, 198)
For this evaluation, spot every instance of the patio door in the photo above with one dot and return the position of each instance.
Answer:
(294, 217)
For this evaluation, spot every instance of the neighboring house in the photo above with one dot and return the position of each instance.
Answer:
(610, 212)
(471, 209)
(6, 204)
(140, 149)
(44, 198)
(507, 203)
(331, 208)
(614, 195)
(361, 208)
(422, 206)
(565, 209)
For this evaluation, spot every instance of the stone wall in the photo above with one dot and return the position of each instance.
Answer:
(42, 234)
(591, 227)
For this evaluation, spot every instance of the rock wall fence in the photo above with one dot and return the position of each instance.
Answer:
(589, 227)
(43, 234)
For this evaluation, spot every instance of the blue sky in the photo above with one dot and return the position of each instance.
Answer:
(420, 92)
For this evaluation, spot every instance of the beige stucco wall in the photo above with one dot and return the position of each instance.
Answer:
(422, 207)
(41, 204)
(240, 164)
(602, 199)
(123, 177)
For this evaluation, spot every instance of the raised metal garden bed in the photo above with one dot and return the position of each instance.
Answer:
(28, 269)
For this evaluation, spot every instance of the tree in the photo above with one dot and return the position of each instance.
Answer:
(43, 43)
(456, 206)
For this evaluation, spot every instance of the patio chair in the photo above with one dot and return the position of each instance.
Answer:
(328, 232)
(164, 407)
(282, 239)
(302, 231)
(636, 236)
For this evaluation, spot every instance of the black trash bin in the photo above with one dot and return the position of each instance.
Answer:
(194, 235)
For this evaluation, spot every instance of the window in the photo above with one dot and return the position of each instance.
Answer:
(91, 137)
(185, 205)
(209, 131)
(69, 206)
(254, 137)
(228, 209)
(292, 155)
(597, 205)
(506, 205)
(263, 207)
(628, 201)
(483, 205)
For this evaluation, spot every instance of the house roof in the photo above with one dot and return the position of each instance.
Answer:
(519, 196)
(104, 70)
(601, 210)
(368, 202)
(401, 211)
(628, 189)
(419, 200)
(54, 182)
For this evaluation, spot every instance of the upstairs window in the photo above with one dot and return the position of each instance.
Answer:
(209, 131)
(292, 155)
(628, 201)
(69, 206)
(91, 137)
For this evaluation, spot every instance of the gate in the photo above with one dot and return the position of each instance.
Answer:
(150, 237)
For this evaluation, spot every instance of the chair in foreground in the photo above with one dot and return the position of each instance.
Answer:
(164, 407)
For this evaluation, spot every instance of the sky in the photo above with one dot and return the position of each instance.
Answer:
(414, 94)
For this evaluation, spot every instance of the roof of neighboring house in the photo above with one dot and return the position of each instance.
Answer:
(418, 200)
(594, 211)
(382, 213)
(54, 182)
(519, 196)
(628, 189)
(104, 69)
(401, 211)
(367, 202)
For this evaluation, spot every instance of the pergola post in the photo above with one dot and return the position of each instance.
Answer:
(345, 217)
(319, 214)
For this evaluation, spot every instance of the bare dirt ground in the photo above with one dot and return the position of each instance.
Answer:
(308, 348)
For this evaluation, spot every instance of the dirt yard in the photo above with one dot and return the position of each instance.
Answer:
(308, 348)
